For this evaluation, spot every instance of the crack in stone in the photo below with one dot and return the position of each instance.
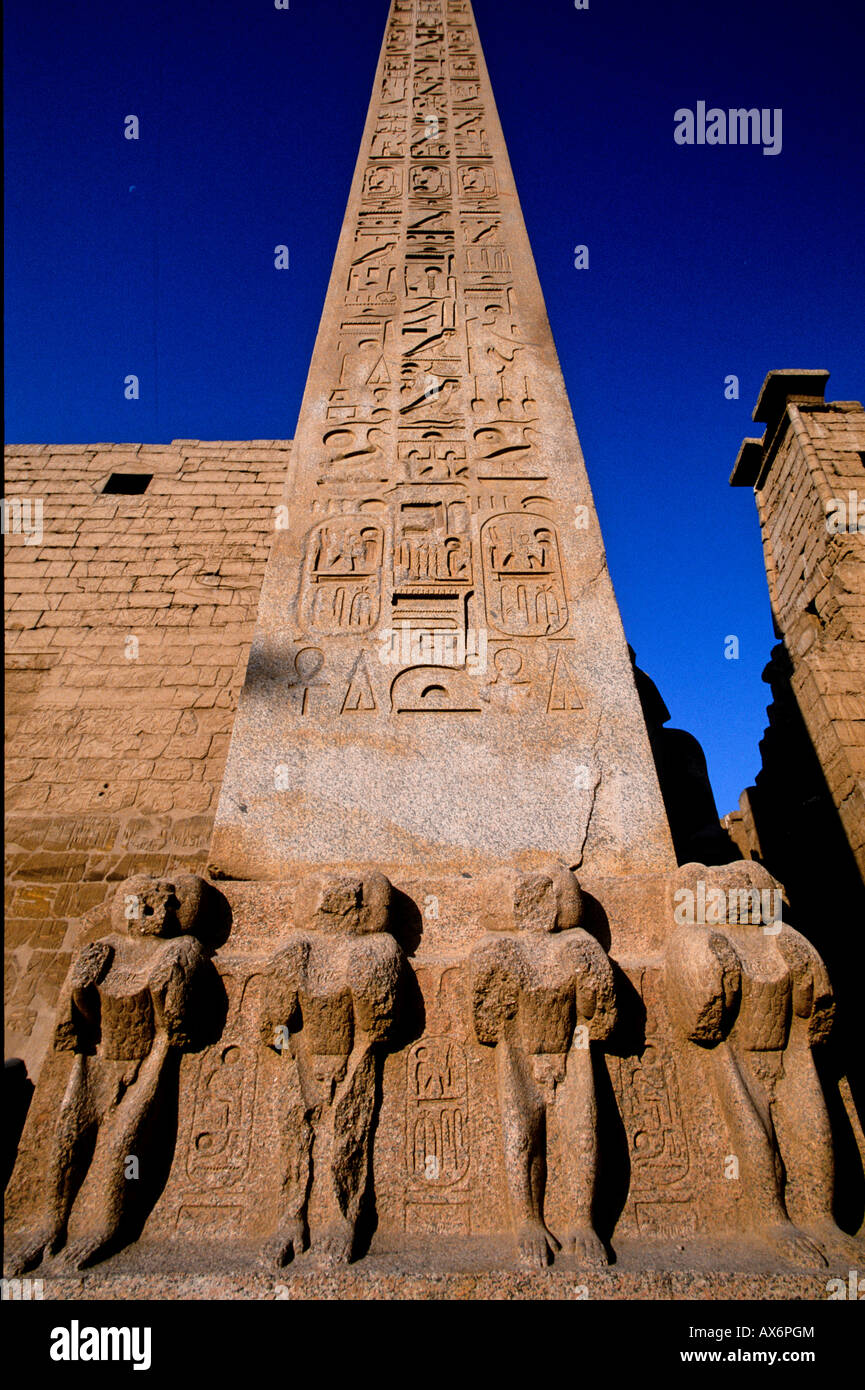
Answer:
(592, 802)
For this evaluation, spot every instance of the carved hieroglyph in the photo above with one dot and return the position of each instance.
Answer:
(439, 665)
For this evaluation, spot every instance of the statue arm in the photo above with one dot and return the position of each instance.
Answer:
(704, 981)
(813, 999)
(375, 976)
(170, 987)
(78, 1008)
(595, 988)
(494, 987)
(282, 985)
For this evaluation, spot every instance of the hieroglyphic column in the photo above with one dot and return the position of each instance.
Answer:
(439, 674)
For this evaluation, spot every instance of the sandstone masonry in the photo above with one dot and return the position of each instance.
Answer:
(127, 633)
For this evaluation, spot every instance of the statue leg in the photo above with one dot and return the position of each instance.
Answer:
(806, 1142)
(76, 1123)
(342, 1160)
(120, 1129)
(578, 1114)
(752, 1135)
(524, 1136)
(289, 1239)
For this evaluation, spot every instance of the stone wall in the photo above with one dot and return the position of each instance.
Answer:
(808, 474)
(817, 585)
(127, 628)
(805, 816)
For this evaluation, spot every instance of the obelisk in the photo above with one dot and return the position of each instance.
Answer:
(439, 675)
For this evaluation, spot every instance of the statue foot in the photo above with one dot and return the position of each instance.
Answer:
(334, 1245)
(586, 1244)
(283, 1246)
(795, 1246)
(86, 1250)
(835, 1243)
(28, 1254)
(535, 1245)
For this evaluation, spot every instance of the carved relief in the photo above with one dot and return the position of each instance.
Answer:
(477, 181)
(510, 689)
(429, 322)
(218, 1138)
(648, 1094)
(427, 68)
(222, 1118)
(463, 65)
(540, 995)
(489, 262)
(470, 134)
(398, 39)
(434, 689)
(430, 181)
(439, 460)
(437, 1120)
(465, 92)
(459, 40)
(388, 139)
(429, 140)
(334, 991)
(755, 997)
(124, 1015)
(564, 693)
(480, 228)
(429, 391)
(356, 451)
(394, 87)
(525, 593)
(382, 181)
(498, 357)
(430, 232)
(432, 541)
(308, 665)
(428, 277)
(430, 108)
(359, 695)
(506, 450)
(372, 270)
(341, 584)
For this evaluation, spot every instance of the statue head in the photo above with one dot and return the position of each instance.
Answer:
(548, 901)
(345, 903)
(147, 906)
(742, 894)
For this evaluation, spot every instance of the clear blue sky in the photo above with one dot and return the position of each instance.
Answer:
(156, 256)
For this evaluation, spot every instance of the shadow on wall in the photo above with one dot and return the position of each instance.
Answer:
(789, 822)
(698, 836)
(17, 1094)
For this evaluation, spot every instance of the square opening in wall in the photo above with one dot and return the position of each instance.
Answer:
(128, 484)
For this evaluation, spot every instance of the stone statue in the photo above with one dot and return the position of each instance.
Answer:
(540, 995)
(334, 990)
(754, 994)
(123, 1014)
